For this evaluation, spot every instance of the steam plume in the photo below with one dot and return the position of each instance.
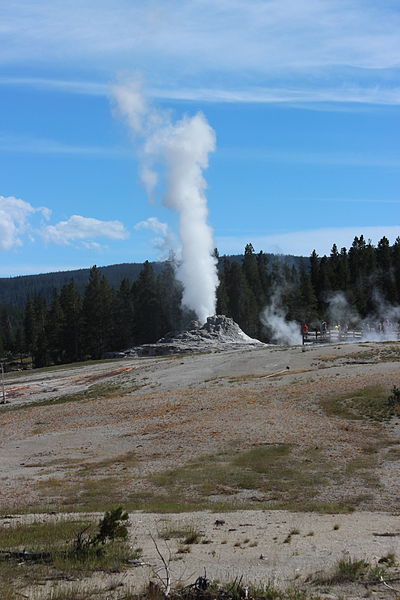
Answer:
(378, 326)
(182, 148)
(281, 331)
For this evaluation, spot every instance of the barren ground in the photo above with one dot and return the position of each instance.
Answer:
(290, 439)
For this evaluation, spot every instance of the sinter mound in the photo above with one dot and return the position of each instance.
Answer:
(218, 333)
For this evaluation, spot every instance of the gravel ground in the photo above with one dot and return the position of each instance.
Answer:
(170, 411)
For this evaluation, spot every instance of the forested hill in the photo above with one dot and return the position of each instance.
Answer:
(14, 291)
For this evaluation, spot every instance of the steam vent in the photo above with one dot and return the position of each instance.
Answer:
(218, 333)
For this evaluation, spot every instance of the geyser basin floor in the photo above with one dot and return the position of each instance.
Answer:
(125, 431)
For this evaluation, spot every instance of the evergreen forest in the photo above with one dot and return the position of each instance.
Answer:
(77, 323)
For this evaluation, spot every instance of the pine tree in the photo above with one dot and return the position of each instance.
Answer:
(71, 326)
(97, 315)
(222, 294)
(124, 316)
(148, 314)
(40, 355)
(6, 331)
(385, 279)
(54, 322)
(170, 294)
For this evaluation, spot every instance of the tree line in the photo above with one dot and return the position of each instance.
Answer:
(73, 325)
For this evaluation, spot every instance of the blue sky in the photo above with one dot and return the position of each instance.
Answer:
(303, 97)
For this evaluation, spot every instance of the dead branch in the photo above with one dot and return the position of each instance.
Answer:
(167, 582)
(273, 374)
(389, 586)
(380, 580)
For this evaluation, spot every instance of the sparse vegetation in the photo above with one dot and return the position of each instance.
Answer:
(274, 470)
(349, 569)
(93, 392)
(367, 403)
(187, 533)
(62, 547)
(393, 400)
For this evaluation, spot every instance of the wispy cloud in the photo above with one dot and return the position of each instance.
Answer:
(14, 143)
(347, 93)
(87, 88)
(302, 243)
(275, 51)
(350, 159)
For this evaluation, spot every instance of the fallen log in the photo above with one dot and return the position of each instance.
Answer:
(24, 555)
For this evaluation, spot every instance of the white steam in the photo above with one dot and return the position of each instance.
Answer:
(182, 149)
(382, 324)
(281, 331)
(340, 311)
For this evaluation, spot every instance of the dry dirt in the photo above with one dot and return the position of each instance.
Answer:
(165, 433)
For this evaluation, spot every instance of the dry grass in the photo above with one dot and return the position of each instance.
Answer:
(55, 538)
(367, 403)
(273, 470)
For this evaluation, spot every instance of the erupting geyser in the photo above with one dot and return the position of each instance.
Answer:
(182, 148)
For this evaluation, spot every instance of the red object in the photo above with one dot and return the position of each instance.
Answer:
(305, 328)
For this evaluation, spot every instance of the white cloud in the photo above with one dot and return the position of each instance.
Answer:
(14, 220)
(302, 243)
(83, 229)
(165, 242)
(18, 220)
(312, 50)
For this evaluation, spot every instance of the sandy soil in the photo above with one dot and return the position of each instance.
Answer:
(168, 412)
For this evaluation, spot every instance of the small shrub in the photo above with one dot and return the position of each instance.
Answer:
(349, 569)
(111, 527)
(193, 537)
(389, 559)
(346, 570)
(393, 400)
(188, 533)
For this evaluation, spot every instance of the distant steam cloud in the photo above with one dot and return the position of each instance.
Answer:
(279, 329)
(175, 154)
(380, 325)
